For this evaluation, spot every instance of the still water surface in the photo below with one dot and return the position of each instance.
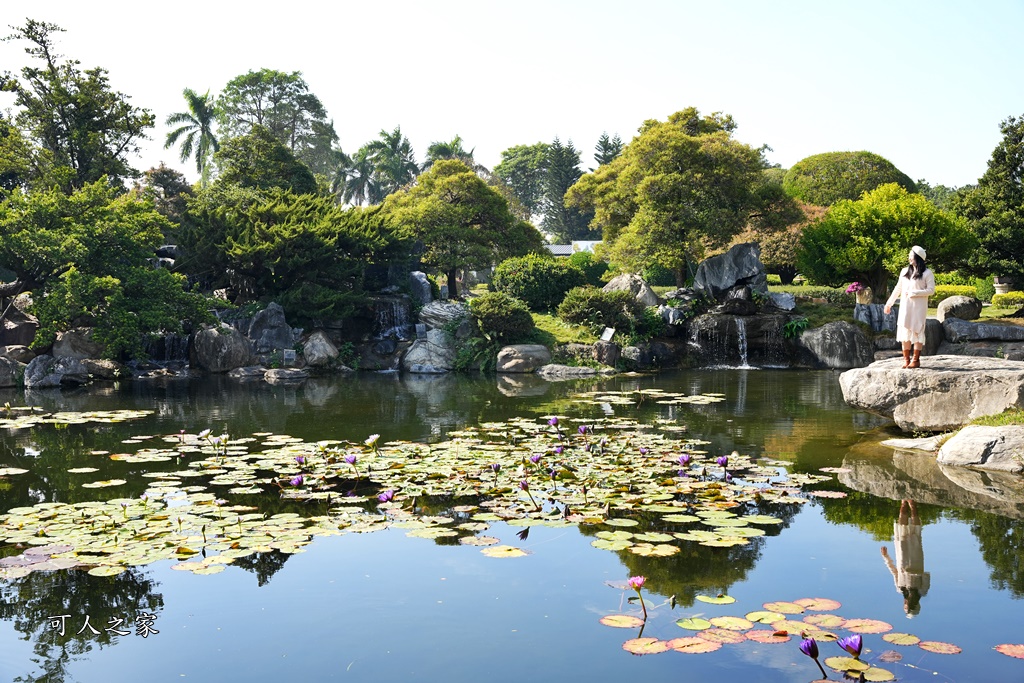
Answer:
(386, 607)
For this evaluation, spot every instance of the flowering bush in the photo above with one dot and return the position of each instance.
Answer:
(854, 288)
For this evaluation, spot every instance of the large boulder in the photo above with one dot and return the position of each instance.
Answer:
(220, 349)
(740, 266)
(47, 372)
(522, 358)
(319, 351)
(636, 286)
(17, 328)
(989, 448)
(22, 354)
(285, 375)
(875, 317)
(438, 315)
(77, 343)
(562, 372)
(269, 331)
(963, 307)
(838, 345)
(431, 356)
(607, 353)
(960, 331)
(420, 286)
(105, 369)
(11, 372)
(945, 393)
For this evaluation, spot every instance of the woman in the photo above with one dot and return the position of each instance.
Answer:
(915, 284)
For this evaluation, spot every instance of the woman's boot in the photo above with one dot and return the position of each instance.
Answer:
(916, 363)
(906, 358)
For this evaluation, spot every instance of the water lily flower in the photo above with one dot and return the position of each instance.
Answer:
(351, 459)
(386, 496)
(296, 481)
(809, 647)
(525, 486)
(684, 460)
(583, 429)
(300, 459)
(723, 460)
(535, 458)
(203, 434)
(852, 645)
(559, 450)
(636, 583)
(553, 422)
(371, 441)
(496, 466)
(644, 451)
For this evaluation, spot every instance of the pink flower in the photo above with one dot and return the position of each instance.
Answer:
(637, 582)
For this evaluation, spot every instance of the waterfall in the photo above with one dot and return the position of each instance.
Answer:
(741, 337)
(391, 320)
(166, 348)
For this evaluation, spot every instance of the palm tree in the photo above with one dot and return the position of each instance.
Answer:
(196, 125)
(356, 181)
(453, 150)
(393, 160)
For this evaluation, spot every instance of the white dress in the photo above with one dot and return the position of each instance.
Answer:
(913, 296)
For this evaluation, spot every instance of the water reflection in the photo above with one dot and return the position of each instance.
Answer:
(907, 569)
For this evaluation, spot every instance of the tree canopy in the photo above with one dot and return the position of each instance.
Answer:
(459, 221)
(522, 169)
(868, 240)
(195, 130)
(680, 186)
(561, 171)
(259, 160)
(824, 179)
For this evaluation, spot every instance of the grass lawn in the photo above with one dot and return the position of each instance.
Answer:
(1013, 416)
(551, 331)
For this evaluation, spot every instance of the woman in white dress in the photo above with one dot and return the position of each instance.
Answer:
(913, 287)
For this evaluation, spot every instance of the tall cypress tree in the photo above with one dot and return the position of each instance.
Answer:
(607, 149)
(563, 170)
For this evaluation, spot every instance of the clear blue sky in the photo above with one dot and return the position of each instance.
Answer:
(924, 84)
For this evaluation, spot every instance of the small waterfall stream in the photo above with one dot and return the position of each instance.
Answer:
(741, 336)
(392, 319)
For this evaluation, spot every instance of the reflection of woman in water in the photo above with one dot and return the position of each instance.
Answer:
(908, 570)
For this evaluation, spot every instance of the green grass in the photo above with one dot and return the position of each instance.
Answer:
(822, 314)
(551, 331)
(1013, 416)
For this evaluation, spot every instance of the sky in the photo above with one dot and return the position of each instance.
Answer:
(923, 83)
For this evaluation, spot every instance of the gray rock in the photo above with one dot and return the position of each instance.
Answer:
(522, 358)
(963, 307)
(928, 444)
(874, 316)
(636, 286)
(556, 372)
(220, 349)
(987, 448)
(318, 350)
(438, 315)
(737, 306)
(673, 316)
(607, 353)
(22, 354)
(11, 372)
(249, 372)
(420, 286)
(77, 343)
(784, 301)
(17, 328)
(945, 393)
(105, 369)
(960, 330)
(269, 331)
(995, 349)
(285, 375)
(169, 251)
(431, 356)
(739, 266)
(47, 372)
(934, 335)
(838, 345)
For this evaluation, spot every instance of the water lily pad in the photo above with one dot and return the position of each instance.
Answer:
(479, 540)
(614, 546)
(104, 484)
(692, 645)
(82, 470)
(867, 626)
(645, 646)
(939, 648)
(825, 620)
(680, 519)
(11, 471)
(764, 617)
(622, 621)
(732, 623)
(818, 604)
(693, 624)
(106, 571)
(763, 635)
(901, 639)
(722, 635)
(876, 675)
(621, 521)
(717, 600)
(505, 551)
(784, 607)
(827, 494)
(846, 664)
(790, 626)
(1011, 650)
(649, 550)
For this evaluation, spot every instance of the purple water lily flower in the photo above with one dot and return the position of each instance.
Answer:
(535, 458)
(583, 429)
(296, 481)
(810, 648)
(684, 460)
(644, 451)
(300, 459)
(524, 485)
(351, 458)
(553, 422)
(559, 450)
(852, 645)
(386, 496)
(723, 460)
(496, 467)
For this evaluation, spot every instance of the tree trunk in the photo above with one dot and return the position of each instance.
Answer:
(680, 274)
(9, 289)
(453, 283)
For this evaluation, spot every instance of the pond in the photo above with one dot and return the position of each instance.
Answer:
(485, 565)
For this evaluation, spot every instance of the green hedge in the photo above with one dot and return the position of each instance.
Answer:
(946, 291)
(833, 295)
(598, 309)
(1008, 300)
(540, 282)
(501, 318)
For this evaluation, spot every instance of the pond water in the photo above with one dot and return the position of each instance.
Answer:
(376, 604)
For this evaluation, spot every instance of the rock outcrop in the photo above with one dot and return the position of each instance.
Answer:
(987, 448)
(738, 267)
(269, 331)
(22, 354)
(635, 285)
(945, 393)
(962, 307)
(440, 314)
(318, 350)
(420, 286)
(838, 345)
(220, 349)
(431, 356)
(77, 343)
(48, 372)
(522, 358)
(962, 331)
(875, 317)
(11, 372)
(17, 328)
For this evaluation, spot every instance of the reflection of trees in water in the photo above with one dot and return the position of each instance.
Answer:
(872, 514)
(29, 602)
(263, 565)
(1002, 547)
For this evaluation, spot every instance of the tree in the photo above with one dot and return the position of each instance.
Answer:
(283, 104)
(680, 187)
(452, 150)
(824, 179)
(259, 160)
(195, 129)
(607, 149)
(356, 182)
(867, 240)
(562, 170)
(167, 189)
(84, 256)
(84, 130)
(393, 159)
(939, 195)
(15, 156)
(995, 207)
(459, 221)
(523, 169)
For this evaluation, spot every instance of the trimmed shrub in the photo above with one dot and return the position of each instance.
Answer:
(658, 275)
(592, 267)
(833, 295)
(1008, 300)
(984, 288)
(946, 291)
(501, 318)
(598, 309)
(539, 282)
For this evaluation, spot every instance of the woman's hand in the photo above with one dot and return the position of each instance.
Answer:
(887, 309)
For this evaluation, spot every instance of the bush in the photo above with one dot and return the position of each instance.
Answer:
(539, 282)
(984, 289)
(953, 277)
(1008, 300)
(946, 291)
(502, 319)
(598, 309)
(593, 268)
(833, 295)
(658, 275)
